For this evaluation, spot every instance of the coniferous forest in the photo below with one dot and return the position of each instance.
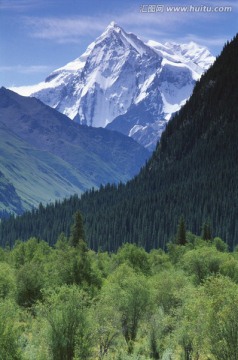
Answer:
(192, 173)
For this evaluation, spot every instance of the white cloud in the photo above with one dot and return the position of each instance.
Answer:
(32, 69)
(20, 5)
(63, 30)
(73, 29)
(159, 26)
(211, 41)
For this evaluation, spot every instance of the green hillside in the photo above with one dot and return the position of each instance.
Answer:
(37, 176)
(48, 157)
(9, 200)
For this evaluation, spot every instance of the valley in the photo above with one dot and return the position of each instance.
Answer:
(118, 181)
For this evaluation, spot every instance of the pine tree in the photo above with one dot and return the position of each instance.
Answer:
(181, 232)
(206, 231)
(77, 230)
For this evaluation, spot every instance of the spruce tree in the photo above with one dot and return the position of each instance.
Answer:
(77, 230)
(206, 231)
(181, 232)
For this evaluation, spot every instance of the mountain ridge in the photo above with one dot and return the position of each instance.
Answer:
(121, 80)
(44, 150)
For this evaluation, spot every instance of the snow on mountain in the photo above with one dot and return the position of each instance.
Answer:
(124, 84)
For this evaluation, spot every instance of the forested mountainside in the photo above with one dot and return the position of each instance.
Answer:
(193, 172)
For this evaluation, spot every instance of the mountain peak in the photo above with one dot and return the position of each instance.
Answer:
(113, 27)
(113, 24)
(120, 75)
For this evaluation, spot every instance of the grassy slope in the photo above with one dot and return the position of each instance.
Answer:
(37, 176)
(47, 157)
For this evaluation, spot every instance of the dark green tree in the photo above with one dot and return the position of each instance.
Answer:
(206, 231)
(77, 230)
(181, 232)
(29, 284)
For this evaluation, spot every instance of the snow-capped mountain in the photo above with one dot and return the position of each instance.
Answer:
(124, 84)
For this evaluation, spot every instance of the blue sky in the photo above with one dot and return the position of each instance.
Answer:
(38, 36)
